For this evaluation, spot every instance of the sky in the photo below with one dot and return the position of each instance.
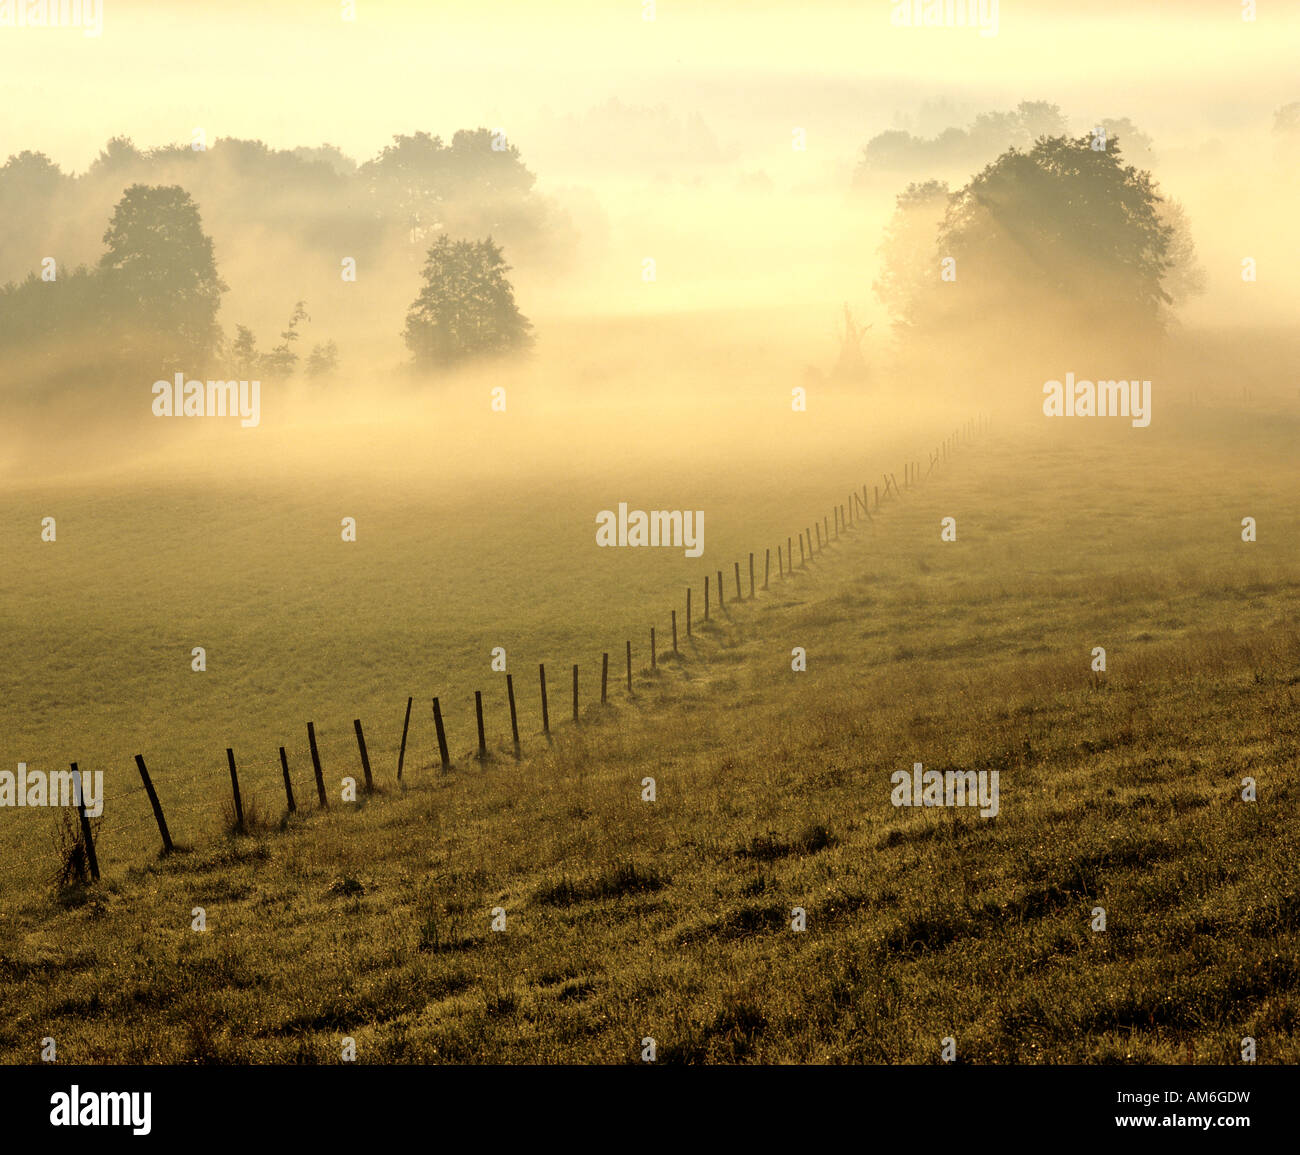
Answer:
(298, 72)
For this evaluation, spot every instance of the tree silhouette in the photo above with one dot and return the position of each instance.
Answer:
(1061, 239)
(897, 152)
(466, 308)
(909, 252)
(159, 275)
(280, 361)
(33, 192)
(323, 360)
(419, 180)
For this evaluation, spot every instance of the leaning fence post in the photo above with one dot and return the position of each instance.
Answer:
(802, 563)
(315, 761)
(575, 693)
(401, 754)
(653, 663)
(604, 677)
(288, 786)
(234, 783)
(478, 711)
(720, 591)
(365, 758)
(86, 836)
(157, 806)
(546, 715)
(442, 734)
(780, 566)
(514, 718)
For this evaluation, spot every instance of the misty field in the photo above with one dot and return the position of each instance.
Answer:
(627, 919)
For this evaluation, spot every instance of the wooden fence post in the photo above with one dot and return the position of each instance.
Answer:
(234, 783)
(826, 521)
(877, 489)
(442, 734)
(401, 754)
(652, 648)
(365, 758)
(575, 693)
(789, 553)
(288, 785)
(780, 565)
(604, 677)
(688, 611)
(802, 562)
(315, 761)
(752, 595)
(478, 713)
(86, 836)
(767, 565)
(629, 667)
(738, 593)
(157, 806)
(819, 537)
(706, 597)
(514, 717)
(721, 596)
(546, 714)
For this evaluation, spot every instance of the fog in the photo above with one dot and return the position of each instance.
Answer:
(707, 191)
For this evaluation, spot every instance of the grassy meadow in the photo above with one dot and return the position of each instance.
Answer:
(671, 919)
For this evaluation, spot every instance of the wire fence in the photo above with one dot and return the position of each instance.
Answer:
(203, 800)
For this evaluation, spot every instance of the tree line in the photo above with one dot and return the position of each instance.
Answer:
(153, 296)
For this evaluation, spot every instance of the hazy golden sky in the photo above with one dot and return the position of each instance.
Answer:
(294, 72)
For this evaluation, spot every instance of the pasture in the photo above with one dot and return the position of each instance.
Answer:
(671, 919)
